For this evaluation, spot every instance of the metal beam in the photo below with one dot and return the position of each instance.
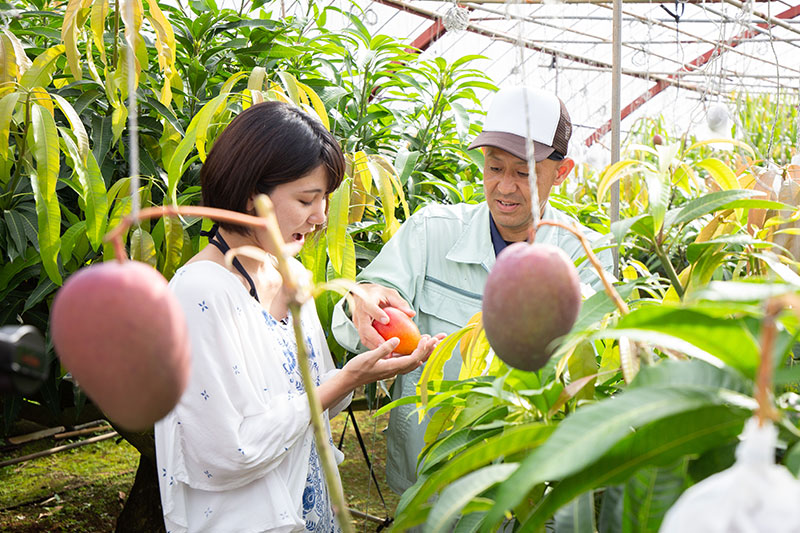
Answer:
(696, 63)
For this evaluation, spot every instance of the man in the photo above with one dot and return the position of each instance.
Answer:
(435, 267)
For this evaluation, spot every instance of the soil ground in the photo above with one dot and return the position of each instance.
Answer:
(82, 490)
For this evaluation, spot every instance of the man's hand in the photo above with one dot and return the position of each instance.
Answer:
(367, 303)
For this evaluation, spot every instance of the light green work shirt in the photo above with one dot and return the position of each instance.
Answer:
(438, 261)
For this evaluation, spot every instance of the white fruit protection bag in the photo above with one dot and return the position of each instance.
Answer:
(755, 495)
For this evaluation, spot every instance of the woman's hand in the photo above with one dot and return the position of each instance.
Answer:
(382, 363)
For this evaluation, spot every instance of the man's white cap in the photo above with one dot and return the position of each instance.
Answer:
(549, 124)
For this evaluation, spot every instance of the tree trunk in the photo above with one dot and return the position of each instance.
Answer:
(142, 510)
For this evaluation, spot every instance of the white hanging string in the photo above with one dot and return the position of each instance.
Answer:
(133, 122)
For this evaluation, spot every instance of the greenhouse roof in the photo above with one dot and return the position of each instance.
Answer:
(678, 59)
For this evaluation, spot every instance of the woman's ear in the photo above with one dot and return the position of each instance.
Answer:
(564, 169)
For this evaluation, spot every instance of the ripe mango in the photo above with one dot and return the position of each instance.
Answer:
(400, 326)
(532, 296)
(120, 331)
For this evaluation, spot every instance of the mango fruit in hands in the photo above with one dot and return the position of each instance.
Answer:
(122, 334)
(532, 296)
(400, 326)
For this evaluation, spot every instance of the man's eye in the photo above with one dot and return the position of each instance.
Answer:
(494, 169)
(522, 174)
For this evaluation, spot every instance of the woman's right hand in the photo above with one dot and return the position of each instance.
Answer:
(380, 363)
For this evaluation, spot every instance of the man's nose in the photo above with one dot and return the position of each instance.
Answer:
(506, 185)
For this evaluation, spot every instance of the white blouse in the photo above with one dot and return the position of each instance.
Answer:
(237, 453)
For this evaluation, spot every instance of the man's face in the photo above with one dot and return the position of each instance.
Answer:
(505, 183)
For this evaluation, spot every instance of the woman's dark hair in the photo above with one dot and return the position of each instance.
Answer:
(267, 145)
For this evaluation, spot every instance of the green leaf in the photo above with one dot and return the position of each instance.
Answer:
(93, 192)
(577, 516)
(513, 440)
(45, 152)
(42, 290)
(589, 433)
(453, 499)
(709, 203)
(15, 224)
(697, 334)
(649, 494)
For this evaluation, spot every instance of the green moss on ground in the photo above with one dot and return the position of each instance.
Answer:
(82, 490)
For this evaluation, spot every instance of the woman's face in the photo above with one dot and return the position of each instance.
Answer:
(300, 207)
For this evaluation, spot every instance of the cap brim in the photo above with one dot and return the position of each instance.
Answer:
(513, 144)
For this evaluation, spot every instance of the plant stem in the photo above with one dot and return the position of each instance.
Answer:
(116, 34)
(607, 285)
(766, 409)
(671, 274)
(273, 238)
(12, 185)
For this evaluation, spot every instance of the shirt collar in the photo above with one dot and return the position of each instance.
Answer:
(475, 243)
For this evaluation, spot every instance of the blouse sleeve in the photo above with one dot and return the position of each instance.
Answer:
(328, 367)
(230, 429)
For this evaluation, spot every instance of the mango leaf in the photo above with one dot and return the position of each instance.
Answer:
(81, 138)
(41, 72)
(43, 180)
(709, 203)
(613, 174)
(456, 496)
(93, 192)
(15, 225)
(42, 290)
(69, 32)
(649, 494)
(173, 245)
(8, 60)
(73, 233)
(511, 441)
(741, 291)
(7, 104)
(688, 432)
(734, 142)
(577, 516)
(201, 121)
(97, 19)
(698, 334)
(721, 173)
(316, 103)
(608, 441)
(142, 247)
(336, 233)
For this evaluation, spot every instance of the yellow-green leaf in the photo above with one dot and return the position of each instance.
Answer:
(256, 80)
(611, 175)
(143, 248)
(721, 173)
(93, 192)
(20, 57)
(69, 33)
(8, 60)
(292, 90)
(734, 142)
(201, 121)
(45, 151)
(81, 137)
(173, 245)
(7, 104)
(338, 216)
(98, 20)
(165, 36)
(40, 74)
(317, 104)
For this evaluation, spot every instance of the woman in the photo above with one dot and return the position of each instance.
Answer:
(237, 453)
